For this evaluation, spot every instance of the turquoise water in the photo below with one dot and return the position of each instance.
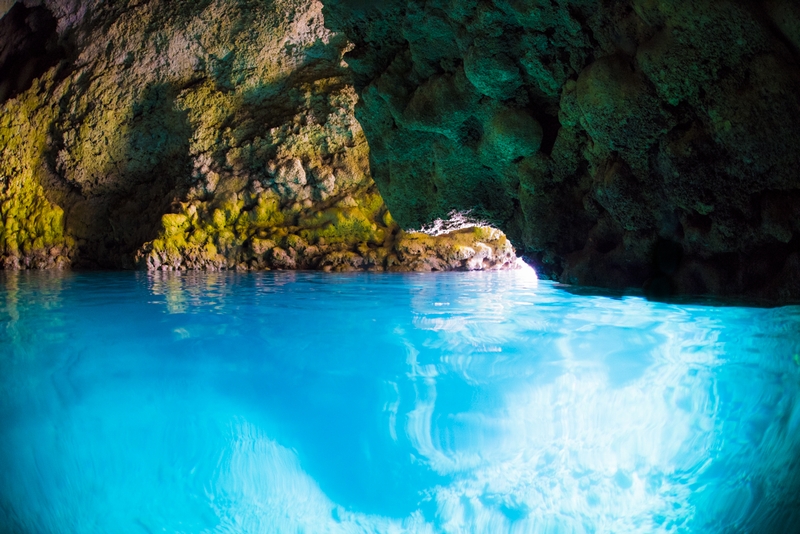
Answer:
(469, 402)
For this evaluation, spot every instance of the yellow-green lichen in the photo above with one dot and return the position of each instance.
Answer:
(32, 227)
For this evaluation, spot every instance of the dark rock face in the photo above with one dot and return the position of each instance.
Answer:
(650, 143)
(28, 47)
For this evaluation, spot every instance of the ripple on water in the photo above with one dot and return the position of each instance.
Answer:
(453, 402)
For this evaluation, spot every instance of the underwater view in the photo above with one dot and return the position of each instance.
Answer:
(451, 402)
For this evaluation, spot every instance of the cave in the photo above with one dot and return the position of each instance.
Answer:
(399, 266)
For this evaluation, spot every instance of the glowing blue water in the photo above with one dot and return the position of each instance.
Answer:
(385, 403)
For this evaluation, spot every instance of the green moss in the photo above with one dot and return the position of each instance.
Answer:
(30, 222)
(174, 223)
(348, 226)
(198, 237)
(372, 206)
(219, 220)
(388, 220)
(266, 214)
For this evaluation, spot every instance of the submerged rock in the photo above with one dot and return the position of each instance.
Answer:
(179, 135)
(596, 134)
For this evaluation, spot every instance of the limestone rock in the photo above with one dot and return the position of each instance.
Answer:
(183, 135)
(648, 125)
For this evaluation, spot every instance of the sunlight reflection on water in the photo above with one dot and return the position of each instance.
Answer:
(482, 402)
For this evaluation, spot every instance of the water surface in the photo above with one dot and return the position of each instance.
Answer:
(453, 402)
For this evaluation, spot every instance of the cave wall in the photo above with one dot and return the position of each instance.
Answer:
(639, 143)
(174, 135)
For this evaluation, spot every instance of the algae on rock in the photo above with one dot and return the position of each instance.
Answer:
(32, 227)
(215, 135)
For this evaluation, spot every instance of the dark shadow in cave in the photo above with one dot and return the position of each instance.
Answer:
(28, 48)
(719, 301)
(112, 217)
(122, 209)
